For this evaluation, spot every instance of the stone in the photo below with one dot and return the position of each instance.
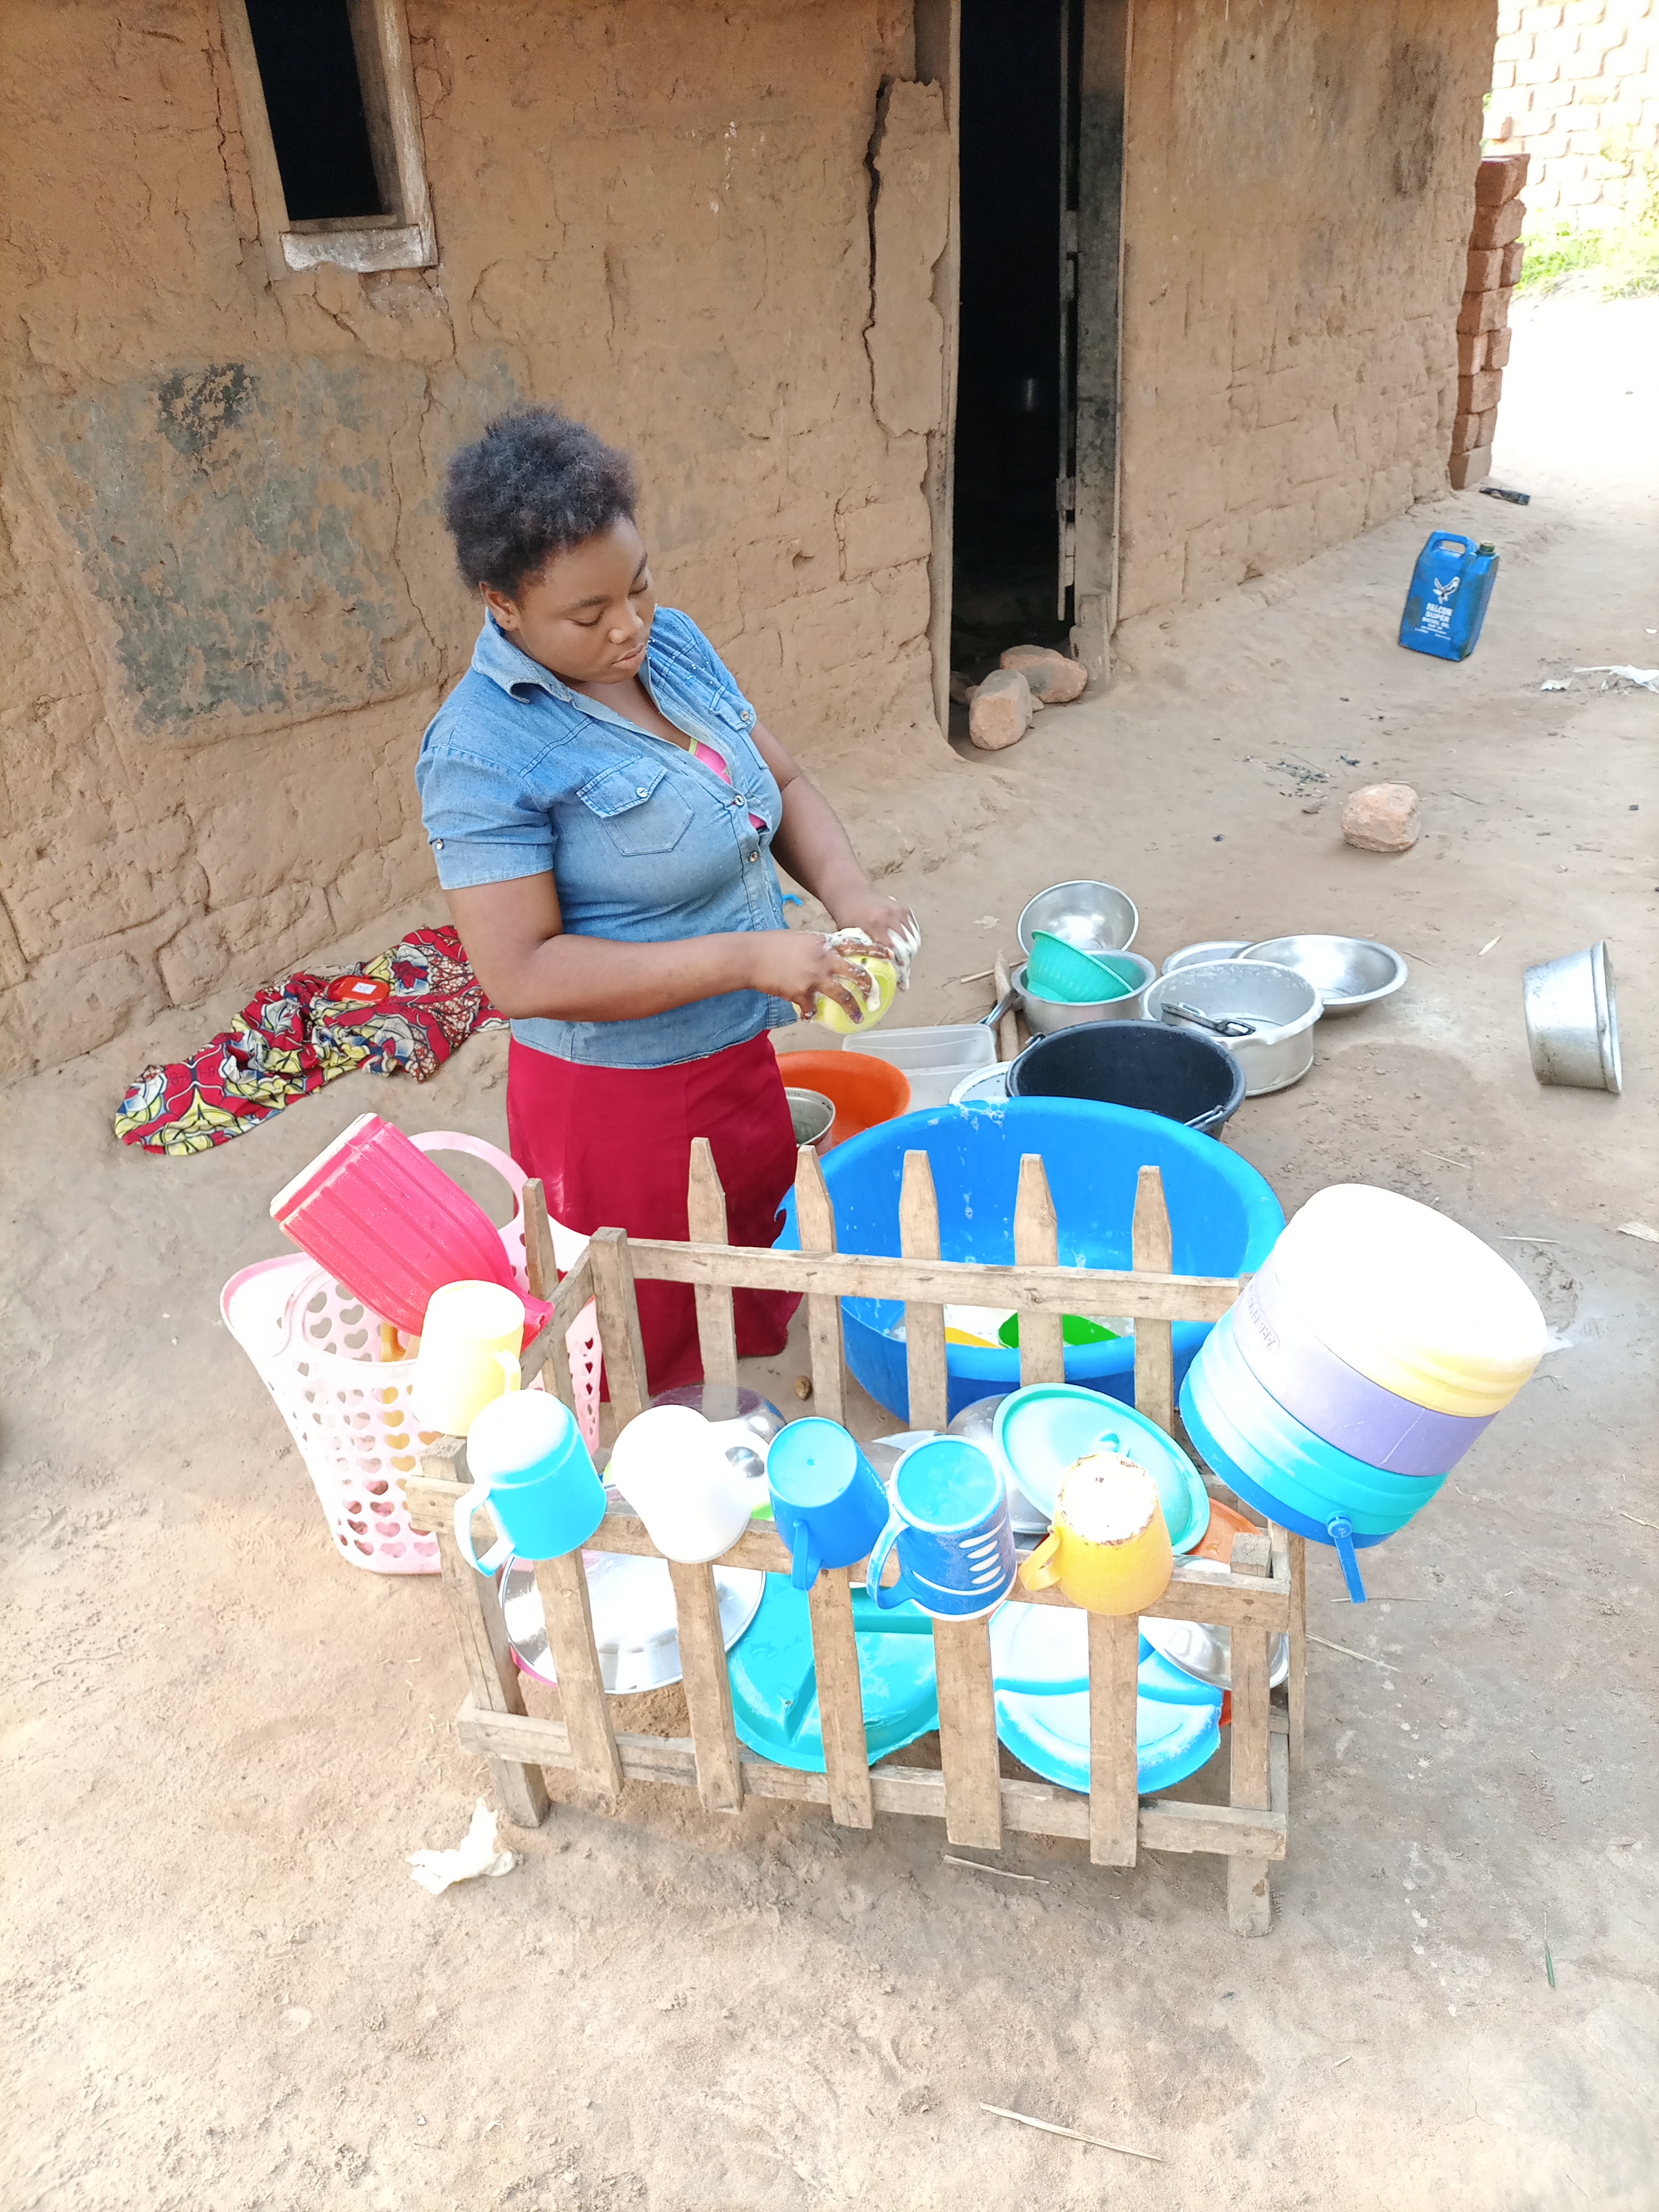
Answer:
(1001, 712)
(1479, 392)
(1054, 676)
(1469, 468)
(1471, 432)
(1497, 226)
(1498, 348)
(1381, 818)
(1513, 260)
(1500, 178)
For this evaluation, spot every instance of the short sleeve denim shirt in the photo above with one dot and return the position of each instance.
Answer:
(518, 775)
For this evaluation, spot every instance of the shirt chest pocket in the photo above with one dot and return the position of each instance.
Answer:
(640, 809)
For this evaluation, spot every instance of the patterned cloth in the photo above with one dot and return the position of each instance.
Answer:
(287, 1043)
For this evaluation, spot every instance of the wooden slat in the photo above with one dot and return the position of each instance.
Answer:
(573, 1292)
(841, 1701)
(1237, 1600)
(968, 1754)
(1153, 1249)
(815, 1216)
(1249, 1903)
(965, 1282)
(1114, 1796)
(1037, 1809)
(563, 1586)
(924, 1316)
(1036, 1244)
(1295, 1683)
(708, 1687)
(492, 1679)
(546, 1354)
(619, 1322)
(1008, 1027)
(717, 1333)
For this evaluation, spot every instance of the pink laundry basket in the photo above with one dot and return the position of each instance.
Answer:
(329, 1363)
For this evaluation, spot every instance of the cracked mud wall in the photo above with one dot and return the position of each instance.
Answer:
(227, 605)
(1298, 184)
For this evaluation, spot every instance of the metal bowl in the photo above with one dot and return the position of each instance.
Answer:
(1099, 917)
(986, 1086)
(813, 1114)
(744, 1422)
(1347, 972)
(1044, 1016)
(1573, 1020)
(1206, 1653)
(1282, 1005)
(977, 1424)
(1210, 948)
(635, 1624)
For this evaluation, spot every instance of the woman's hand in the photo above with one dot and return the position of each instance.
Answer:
(797, 964)
(886, 921)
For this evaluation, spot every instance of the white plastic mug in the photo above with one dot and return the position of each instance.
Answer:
(673, 1470)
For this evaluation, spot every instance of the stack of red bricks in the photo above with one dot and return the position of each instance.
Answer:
(1483, 327)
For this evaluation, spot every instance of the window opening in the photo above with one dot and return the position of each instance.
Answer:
(322, 114)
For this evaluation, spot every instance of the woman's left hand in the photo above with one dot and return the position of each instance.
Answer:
(884, 920)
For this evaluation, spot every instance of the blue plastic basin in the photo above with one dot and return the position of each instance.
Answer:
(1223, 1214)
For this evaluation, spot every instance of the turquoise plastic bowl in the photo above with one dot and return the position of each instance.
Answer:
(1282, 1460)
(775, 1687)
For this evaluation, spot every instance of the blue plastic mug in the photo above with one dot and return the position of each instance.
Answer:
(529, 1466)
(826, 1499)
(950, 1520)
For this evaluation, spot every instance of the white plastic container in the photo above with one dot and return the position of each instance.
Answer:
(935, 1061)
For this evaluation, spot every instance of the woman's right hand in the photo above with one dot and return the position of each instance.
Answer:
(797, 964)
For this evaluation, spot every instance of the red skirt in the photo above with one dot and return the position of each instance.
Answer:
(612, 1146)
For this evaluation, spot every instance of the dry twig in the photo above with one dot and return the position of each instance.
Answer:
(1052, 2128)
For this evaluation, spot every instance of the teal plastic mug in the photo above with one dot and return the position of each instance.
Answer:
(531, 1467)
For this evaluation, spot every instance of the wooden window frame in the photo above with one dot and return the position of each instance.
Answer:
(406, 239)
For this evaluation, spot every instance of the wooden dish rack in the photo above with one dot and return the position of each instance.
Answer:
(1262, 1596)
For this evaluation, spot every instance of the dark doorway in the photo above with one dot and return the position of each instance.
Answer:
(1015, 428)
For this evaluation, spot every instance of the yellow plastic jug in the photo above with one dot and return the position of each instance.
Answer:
(1109, 1547)
(470, 1346)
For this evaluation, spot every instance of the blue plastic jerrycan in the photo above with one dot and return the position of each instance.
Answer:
(1446, 603)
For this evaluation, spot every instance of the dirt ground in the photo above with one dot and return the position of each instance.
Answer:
(224, 1990)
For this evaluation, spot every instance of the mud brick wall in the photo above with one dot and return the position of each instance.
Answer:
(1575, 86)
(1296, 223)
(1496, 254)
(227, 603)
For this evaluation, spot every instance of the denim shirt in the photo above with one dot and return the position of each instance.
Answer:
(518, 775)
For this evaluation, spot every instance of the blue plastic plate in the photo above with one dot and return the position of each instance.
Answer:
(1042, 1429)
(1040, 1664)
(774, 1691)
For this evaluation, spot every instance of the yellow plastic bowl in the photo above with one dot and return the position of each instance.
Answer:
(1410, 1299)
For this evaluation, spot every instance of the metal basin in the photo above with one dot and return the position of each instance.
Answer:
(1099, 917)
(1210, 948)
(1044, 1016)
(744, 1422)
(1283, 1005)
(1347, 972)
(1573, 1020)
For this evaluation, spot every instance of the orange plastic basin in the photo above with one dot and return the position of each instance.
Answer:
(862, 1089)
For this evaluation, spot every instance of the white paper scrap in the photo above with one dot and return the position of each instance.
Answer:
(1647, 677)
(476, 1855)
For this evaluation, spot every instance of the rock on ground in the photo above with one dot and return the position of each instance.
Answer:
(1001, 712)
(1381, 817)
(1053, 677)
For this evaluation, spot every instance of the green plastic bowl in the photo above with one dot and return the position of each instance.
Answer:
(1075, 978)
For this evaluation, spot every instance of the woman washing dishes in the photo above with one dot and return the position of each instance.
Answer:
(605, 807)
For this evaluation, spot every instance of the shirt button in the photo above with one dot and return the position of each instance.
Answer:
(754, 856)
(641, 793)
